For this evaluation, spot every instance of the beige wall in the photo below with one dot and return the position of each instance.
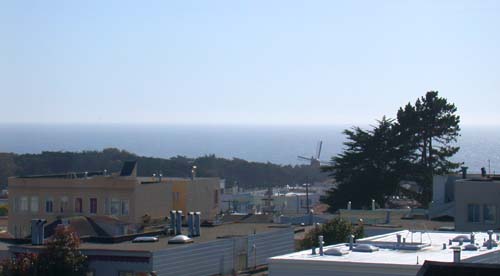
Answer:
(201, 197)
(480, 193)
(154, 199)
(100, 187)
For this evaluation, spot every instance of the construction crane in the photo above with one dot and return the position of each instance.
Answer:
(314, 160)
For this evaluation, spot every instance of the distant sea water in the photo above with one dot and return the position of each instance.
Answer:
(275, 144)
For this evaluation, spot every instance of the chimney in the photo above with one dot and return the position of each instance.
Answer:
(197, 230)
(178, 223)
(456, 254)
(172, 221)
(37, 231)
(464, 172)
(320, 241)
(193, 172)
(190, 220)
(490, 240)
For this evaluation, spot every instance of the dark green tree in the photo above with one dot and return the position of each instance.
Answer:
(431, 128)
(369, 168)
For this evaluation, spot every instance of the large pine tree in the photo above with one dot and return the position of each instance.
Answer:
(415, 147)
(431, 128)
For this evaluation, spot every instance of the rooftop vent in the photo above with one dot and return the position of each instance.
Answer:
(471, 247)
(461, 238)
(365, 248)
(336, 252)
(487, 243)
(146, 239)
(180, 239)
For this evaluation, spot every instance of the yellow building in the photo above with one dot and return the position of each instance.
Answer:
(121, 195)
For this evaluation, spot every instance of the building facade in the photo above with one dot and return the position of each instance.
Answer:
(127, 197)
(476, 204)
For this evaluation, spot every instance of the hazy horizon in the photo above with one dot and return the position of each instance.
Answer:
(280, 145)
(245, 63)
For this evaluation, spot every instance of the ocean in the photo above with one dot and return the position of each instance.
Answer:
(275, 144)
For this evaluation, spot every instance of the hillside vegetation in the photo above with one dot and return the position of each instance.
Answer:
(246, 174)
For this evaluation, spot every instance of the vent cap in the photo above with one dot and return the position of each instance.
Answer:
(365, 248)
(336, 252)
(180, 239)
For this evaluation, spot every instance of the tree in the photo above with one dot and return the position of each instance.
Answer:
(369, 168)
(415, 147)
(335, 231)
(60, 257)
(431, 128)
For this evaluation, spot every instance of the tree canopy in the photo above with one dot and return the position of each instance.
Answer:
(246, 174)
(414, 147)
(60, 257)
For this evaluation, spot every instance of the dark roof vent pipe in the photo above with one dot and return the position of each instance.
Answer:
(178, 223)
(456, 254)
(197, 222)
(190, 220)
(321, 242)
(464, 172)
(172, 221)
(37, 231)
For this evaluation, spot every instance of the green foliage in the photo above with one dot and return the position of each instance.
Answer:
(431, 127)
(246, 174)
(369, 168)
(415, 147)
(61, 257)
(333, 232)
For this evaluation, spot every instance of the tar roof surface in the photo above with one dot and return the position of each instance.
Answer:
(207, 234)
(398, 257)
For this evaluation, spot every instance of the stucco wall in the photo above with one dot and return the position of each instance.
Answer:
(476, 192)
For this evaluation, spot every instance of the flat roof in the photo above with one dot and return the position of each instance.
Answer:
(207, 234)
(434, 252)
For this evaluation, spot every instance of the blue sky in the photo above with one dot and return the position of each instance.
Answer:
(245, 62)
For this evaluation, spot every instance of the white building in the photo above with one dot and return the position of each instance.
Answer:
(385, 256)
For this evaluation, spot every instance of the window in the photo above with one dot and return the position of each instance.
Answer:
(23, 206)
(34, 204)
(49, 205)
(125, 207)
(175, 196)
(63, 207)
(216, 197)
(489, 213)
(17, 204)
(115, 206)
(93, 205)
(78, 205)
(473, 213)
